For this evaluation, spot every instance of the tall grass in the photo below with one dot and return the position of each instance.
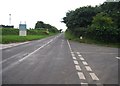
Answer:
(10, 35)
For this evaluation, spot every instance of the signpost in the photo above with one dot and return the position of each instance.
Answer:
(22, 30)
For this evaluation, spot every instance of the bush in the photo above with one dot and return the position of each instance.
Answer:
(103, 29)
(12, 31)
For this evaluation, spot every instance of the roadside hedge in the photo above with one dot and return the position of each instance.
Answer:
(12, 31)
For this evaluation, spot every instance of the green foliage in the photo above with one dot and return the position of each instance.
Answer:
(99, 23)
(42, 25)
(16, 38)
(81, 17)
(6, 31)
(113, 10)
(10, 31)
(12, 35)
(103, 29)
(102, 21)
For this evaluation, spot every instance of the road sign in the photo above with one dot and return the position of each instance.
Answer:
(22, 30)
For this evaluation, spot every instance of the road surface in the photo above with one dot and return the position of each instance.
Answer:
(55, 60)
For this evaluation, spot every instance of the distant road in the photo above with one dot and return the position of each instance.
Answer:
(55, 60)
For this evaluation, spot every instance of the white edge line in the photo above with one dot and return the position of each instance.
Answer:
(69, 45)
(12, 65)
(118, 57)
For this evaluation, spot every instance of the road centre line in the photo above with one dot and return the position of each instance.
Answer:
(94, 77)
(81, 75)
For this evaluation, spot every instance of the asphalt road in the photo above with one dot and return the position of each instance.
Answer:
(55, 60)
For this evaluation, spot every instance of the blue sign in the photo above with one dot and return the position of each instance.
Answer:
(22, 26)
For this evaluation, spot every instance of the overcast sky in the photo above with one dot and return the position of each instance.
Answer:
(31, 11)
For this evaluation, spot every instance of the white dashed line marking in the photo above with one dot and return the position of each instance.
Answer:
(94, 77)
(118, 57)
(73, 54)
(74, 58)
(84, 84)
(85, 63)
(79, 55)
(88, 68)
(81, 75)
(78, 67)
(76, 62)
(77, 52)
(82, 58)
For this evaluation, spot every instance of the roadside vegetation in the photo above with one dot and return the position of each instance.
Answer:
(11, 35)
(97, 25)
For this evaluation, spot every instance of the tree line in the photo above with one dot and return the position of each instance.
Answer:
(100, 22)
(42, 25)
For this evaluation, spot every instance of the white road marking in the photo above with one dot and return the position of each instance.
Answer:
(35, 51)
(17, 62)
(84, 84)
(73, 54)
(85, 63)
(118, 57)
(74, 58)
(78, 67)
(77, 52)
(81, 58)
(81, 75)
(8, 58)
(76, 62)
(94, 77)
(69, 45)
(79, 55)
(88, 68)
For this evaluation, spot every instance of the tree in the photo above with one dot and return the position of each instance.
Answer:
(81, 17)
(39, 24)
(102, 28)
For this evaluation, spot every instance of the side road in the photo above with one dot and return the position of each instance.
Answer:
(4, 46)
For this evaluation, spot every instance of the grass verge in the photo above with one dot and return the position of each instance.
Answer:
(16, 38)
(70, 36)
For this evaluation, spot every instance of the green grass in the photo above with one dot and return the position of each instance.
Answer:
(11, 35)
(69, 36)
(15, 38)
